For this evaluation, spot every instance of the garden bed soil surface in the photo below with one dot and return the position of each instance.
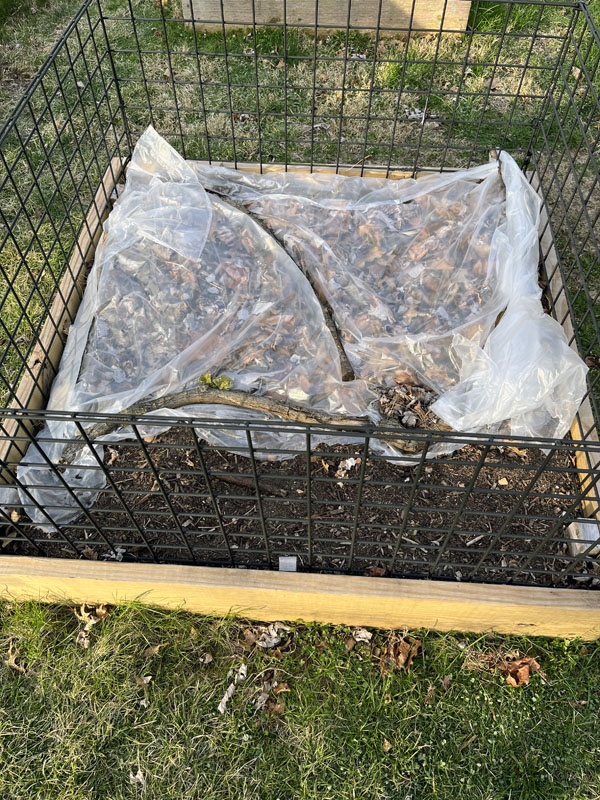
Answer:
(414, 548)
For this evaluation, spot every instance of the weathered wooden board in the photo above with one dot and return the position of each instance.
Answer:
(350, 600)
(584, 426)
(43, 362)
(431, 15)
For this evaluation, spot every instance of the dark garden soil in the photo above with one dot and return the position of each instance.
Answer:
(173, 515)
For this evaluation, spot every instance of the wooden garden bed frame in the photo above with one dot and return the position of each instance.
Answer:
(270, 595)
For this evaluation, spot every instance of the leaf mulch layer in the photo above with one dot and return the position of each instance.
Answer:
(481, 535)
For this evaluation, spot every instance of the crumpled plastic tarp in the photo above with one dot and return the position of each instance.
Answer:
(433, 279)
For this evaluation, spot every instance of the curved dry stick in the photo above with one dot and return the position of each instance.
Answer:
(346, 366)
(202, 395)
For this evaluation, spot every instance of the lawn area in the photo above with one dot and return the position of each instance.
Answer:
(313, 719)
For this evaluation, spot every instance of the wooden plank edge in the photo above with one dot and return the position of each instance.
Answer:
(304, 169)
(45, 356)
(266, 595)
(424, 16)
(585, 462)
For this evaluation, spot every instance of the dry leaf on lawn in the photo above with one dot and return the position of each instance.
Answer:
(362, 635)
(206, 659)
(136, 779)
(102, 611)
(239, 676)
(265, 636)
(430, 694)
(11, 661)
(153, 650)
(261, 699)
(275, 708)
(446, 681)
(144, 682)
(280, 688)
(387, 746)
(399, 652)
(350, 643)
(519, 671)
(83, 638)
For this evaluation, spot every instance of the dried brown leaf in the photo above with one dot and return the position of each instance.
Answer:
(143, 680)
(518, 671)
(83, 638)
(153, 650)
(350, 643)
(446, 681)
(275, 708)
(11, 661)
(387, 746)
(399, 652)
(518, 451)
(375, 572)
(430, 694)
(576, 72)
(102, 611)
(280, 688)
(469, 741)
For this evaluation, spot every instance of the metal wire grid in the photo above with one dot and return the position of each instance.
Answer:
(192, 511)
(243, 108)
(83, 109)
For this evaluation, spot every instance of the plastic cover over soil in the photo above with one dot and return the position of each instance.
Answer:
(433, 281)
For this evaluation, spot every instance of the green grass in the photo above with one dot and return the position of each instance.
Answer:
(72, 726)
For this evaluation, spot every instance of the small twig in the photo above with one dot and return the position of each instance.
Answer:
(202, 395)
(239, 480)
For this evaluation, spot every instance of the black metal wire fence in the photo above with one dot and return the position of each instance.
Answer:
(523, 76)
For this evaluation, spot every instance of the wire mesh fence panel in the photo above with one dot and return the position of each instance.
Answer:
(376, 96)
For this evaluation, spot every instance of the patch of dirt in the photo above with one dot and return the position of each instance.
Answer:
(174, 520)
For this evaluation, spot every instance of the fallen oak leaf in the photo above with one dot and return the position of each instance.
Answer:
(399, 652)
(11, 661)
(518, 671)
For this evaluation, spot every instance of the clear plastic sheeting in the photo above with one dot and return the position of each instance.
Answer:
(431, 280)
